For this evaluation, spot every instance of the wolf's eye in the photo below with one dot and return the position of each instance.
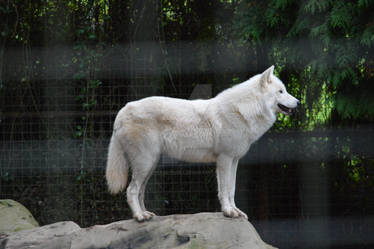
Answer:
(281, 91)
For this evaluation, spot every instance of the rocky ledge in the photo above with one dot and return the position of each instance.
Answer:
(203, 230)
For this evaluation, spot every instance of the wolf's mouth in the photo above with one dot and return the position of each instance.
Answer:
(285, 110)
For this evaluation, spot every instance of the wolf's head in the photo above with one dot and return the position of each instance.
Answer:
(277, 97)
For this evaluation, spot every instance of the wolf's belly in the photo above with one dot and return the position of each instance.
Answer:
(192, 146)
(193, 155)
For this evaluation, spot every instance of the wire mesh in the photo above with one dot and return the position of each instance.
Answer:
(55, 129)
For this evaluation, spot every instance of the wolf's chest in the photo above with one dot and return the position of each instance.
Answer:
(237, 140)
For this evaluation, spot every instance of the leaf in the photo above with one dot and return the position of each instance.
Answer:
(317, 6)
(86, 106)
(364, 3)
(282, 4)
(299, 26)
(341, 15)
(367, 37)
(336, 79)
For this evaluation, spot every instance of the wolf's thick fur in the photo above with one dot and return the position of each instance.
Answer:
(218, 130)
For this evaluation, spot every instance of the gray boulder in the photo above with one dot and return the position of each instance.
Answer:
(203, 230)
(15, 217)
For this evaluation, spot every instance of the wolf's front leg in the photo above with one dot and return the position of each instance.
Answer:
(232, 185)
(224, 180)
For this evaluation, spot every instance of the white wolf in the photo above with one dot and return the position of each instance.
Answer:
(220, 129)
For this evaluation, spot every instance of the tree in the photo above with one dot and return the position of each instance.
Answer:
(323, 48)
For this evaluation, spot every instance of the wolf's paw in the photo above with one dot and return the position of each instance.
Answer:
(234, 212)
(143, 216)
(230, 212)
(241, 213)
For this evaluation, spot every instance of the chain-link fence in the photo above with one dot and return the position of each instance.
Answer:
(56, 121)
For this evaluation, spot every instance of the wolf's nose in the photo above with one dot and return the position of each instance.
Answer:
(298, 102)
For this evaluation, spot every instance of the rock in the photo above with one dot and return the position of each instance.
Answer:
(50, 236)
(204, 230)
(15, 217)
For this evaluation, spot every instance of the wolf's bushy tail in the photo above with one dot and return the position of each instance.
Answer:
(117, 167)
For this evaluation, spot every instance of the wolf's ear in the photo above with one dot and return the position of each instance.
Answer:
(266, 76)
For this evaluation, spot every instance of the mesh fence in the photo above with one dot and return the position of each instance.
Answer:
(56, 123)
(55, 128)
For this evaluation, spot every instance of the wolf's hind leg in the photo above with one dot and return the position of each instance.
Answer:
(141, 169)
(143, 187)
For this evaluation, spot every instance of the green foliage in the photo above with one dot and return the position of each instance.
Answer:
(365, 3)
(317, 6)
(367, 37)
(341, 15)
(331, 40)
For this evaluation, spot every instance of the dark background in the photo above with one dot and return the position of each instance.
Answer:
(67, 67)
